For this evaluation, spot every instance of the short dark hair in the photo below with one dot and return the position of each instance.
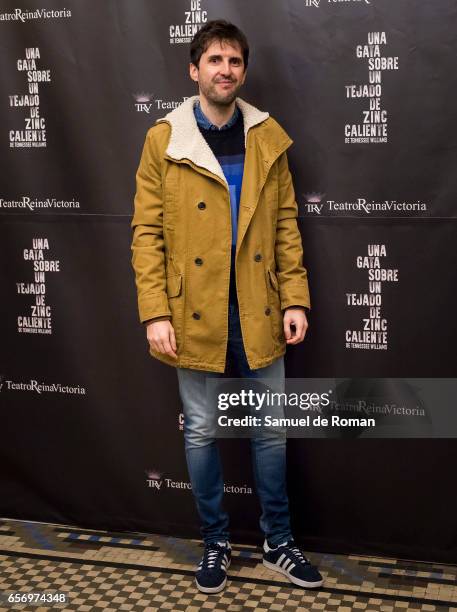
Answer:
(217, 29)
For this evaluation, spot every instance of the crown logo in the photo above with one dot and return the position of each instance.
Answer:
(143, 97)
(153, 474)
(313, 197)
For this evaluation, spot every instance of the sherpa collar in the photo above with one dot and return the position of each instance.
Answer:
(187, 142)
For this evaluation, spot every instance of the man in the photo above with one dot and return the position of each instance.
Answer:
(221, 286)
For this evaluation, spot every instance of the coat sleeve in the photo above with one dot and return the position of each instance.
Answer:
(148, 248)
(292, 276)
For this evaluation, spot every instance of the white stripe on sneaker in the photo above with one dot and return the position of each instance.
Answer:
(288, 562)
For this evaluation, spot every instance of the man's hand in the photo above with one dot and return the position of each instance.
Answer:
(295, 317)
(161, 337)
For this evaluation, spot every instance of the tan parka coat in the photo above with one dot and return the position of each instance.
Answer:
(181, 245)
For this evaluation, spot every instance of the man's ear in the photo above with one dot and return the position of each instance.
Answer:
(193, 72)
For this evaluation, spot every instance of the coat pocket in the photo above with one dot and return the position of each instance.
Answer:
(174, 285)
(176, 305)
(273, 279)
(276, 317)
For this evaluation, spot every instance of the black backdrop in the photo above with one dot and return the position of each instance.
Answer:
(91, 425)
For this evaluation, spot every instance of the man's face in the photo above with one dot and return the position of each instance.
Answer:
(221, 72)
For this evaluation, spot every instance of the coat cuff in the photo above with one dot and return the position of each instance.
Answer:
(164, 318)
(295, 295)
(305, 308)
(153, 305)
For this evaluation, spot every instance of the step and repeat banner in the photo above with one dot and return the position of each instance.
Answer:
(91, 424)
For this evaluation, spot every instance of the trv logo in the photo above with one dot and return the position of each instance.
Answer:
(313, 202)
(312, 3)
(145, 103)
(156, 481)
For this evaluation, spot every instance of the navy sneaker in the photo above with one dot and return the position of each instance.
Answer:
(288, 559)
(211, 575)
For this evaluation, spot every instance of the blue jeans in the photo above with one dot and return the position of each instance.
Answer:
(202, 453)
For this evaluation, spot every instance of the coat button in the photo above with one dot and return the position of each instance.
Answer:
(196, 315)
(198, 261)
(257, 257)
(267, 311)
(201, 205)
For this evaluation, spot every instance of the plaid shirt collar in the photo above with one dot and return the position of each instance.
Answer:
(206, 124)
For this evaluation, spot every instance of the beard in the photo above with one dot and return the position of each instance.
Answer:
(219, 98)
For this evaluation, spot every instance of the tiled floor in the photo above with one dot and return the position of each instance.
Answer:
(99, 570)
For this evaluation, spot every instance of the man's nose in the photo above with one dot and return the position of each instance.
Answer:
(226, 68)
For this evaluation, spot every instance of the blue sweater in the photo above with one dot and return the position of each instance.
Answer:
(227, 144)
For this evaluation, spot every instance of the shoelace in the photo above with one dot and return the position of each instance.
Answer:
(211, 554)
(298, 554)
